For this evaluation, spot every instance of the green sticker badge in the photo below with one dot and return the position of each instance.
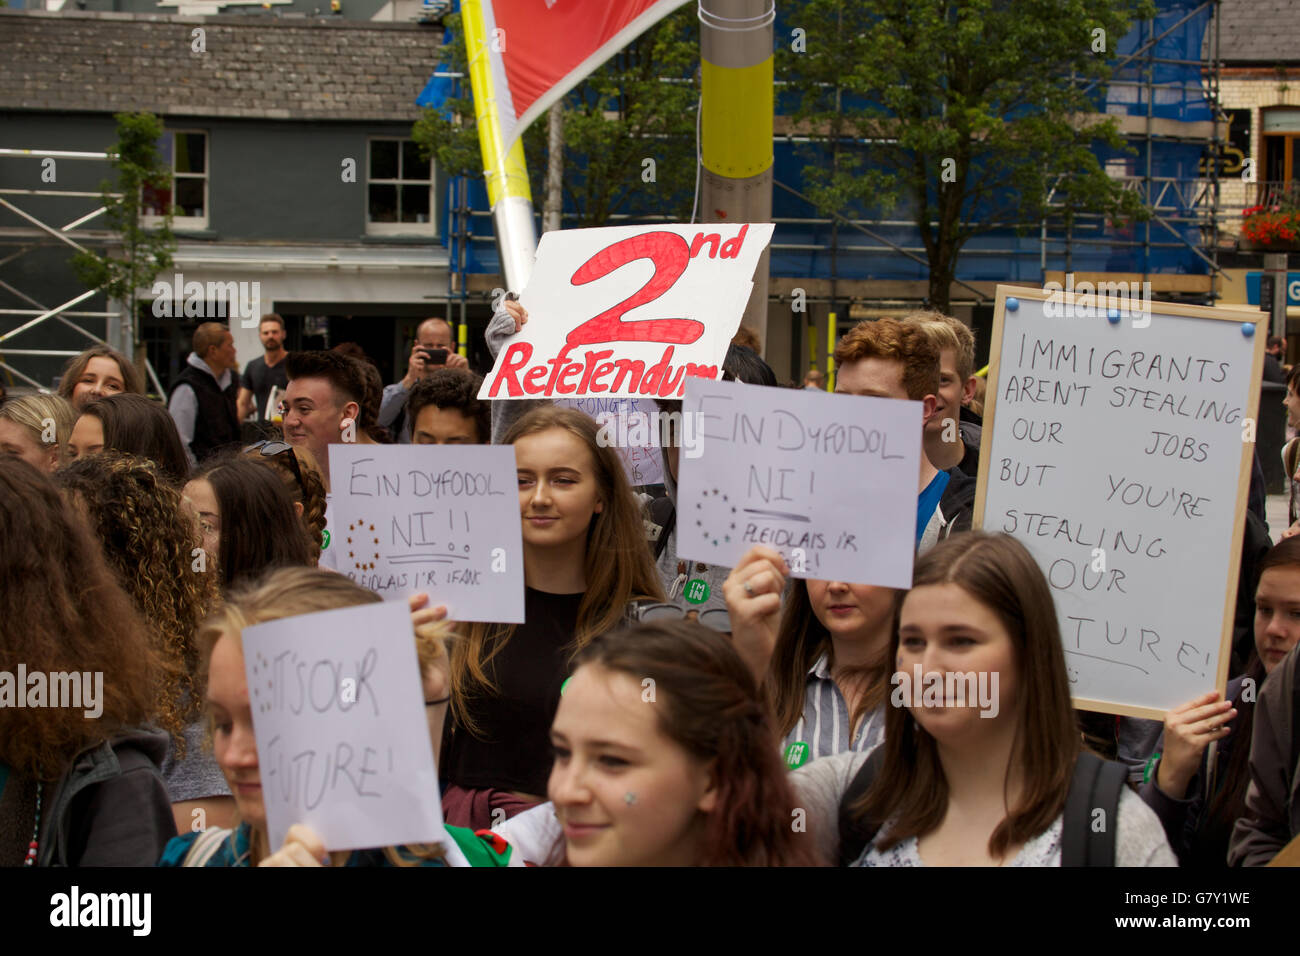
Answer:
(696, 591)
(325, 538)
(796, 755)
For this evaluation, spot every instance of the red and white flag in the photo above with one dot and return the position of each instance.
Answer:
(547, 47)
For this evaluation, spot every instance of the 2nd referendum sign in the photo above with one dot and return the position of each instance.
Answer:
(629, 311)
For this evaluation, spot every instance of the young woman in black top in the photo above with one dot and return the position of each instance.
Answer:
(585, 560)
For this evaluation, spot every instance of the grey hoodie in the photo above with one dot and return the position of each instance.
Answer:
(111, 807)
(1272, 817)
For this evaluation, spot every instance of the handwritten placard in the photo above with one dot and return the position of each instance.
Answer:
(442, 519)
(1117, 447)
(628, 426)
(342, 739)
(629, 310)
(827, 480)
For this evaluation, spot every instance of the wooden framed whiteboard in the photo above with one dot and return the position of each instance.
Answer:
(1117, 446)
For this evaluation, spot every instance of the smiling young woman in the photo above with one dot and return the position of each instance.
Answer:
(828, 675)
(962, 782)
(585, 561)
(665, 756)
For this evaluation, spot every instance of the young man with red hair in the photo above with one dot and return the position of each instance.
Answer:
(891, 359)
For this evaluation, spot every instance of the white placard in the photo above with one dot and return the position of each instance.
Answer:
(827, 480)
(1113, 448)
(342, 738)
(437, 518)
(629, 310)
(628, 425)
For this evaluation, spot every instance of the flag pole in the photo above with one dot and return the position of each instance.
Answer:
(509, 195)
(736, 47)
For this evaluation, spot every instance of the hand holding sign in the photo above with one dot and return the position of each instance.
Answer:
(342, 740)
(829, 481)
(1117, 446)
(442, 519)
(628, 311)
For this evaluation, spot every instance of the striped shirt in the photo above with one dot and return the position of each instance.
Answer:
(825, 729)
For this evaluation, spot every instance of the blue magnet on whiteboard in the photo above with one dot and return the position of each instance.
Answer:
(1248, 329)
(1013, 304)
(1112, 315)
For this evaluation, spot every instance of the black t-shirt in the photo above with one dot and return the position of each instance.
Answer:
(513, 748)
(259, 379)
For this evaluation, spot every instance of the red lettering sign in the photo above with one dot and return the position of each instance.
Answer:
(670, 255)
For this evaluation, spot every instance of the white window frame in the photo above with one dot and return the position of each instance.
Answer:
(429, 228)
(185, 223)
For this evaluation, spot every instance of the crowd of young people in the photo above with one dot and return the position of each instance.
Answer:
(618, 724)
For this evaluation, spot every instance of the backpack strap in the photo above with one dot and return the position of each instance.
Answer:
(855, 833)
(205, 846)
(1095, 785)
(664, 517)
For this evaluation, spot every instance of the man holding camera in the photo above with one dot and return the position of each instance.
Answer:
(432, 350)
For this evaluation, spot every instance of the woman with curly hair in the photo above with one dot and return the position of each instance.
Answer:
(79, 781)
(297, 469)
(151, 541)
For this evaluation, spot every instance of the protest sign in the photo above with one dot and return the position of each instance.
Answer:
(342, 738)
(827, 480)
(629, 310)
(627, 425)
(442, 519)
(1117, 446)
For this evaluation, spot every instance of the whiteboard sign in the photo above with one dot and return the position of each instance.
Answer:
(827, 480)
(1113, 449)
(629, 310)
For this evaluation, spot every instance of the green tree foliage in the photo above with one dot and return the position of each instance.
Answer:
(894, 94)
(640, 105)
(144, 253)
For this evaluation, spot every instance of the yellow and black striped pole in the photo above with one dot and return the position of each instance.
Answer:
(509, 195)
(736, 43)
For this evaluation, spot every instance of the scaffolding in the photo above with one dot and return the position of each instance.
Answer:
(36, 234)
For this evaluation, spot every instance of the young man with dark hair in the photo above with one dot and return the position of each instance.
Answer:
(264, 373)
(324, 404)
(203, 399)
(444, 409)
(891, 359)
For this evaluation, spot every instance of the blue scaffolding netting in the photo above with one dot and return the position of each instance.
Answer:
(1160, 73)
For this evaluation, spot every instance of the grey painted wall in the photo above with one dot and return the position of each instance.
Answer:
(268, 181)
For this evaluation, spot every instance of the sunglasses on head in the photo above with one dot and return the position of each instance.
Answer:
(269, 448)
(715, 619)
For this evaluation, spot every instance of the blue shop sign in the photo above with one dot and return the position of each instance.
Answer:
(1292, 288)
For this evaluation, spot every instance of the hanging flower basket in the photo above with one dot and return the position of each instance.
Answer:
(1270, 229)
